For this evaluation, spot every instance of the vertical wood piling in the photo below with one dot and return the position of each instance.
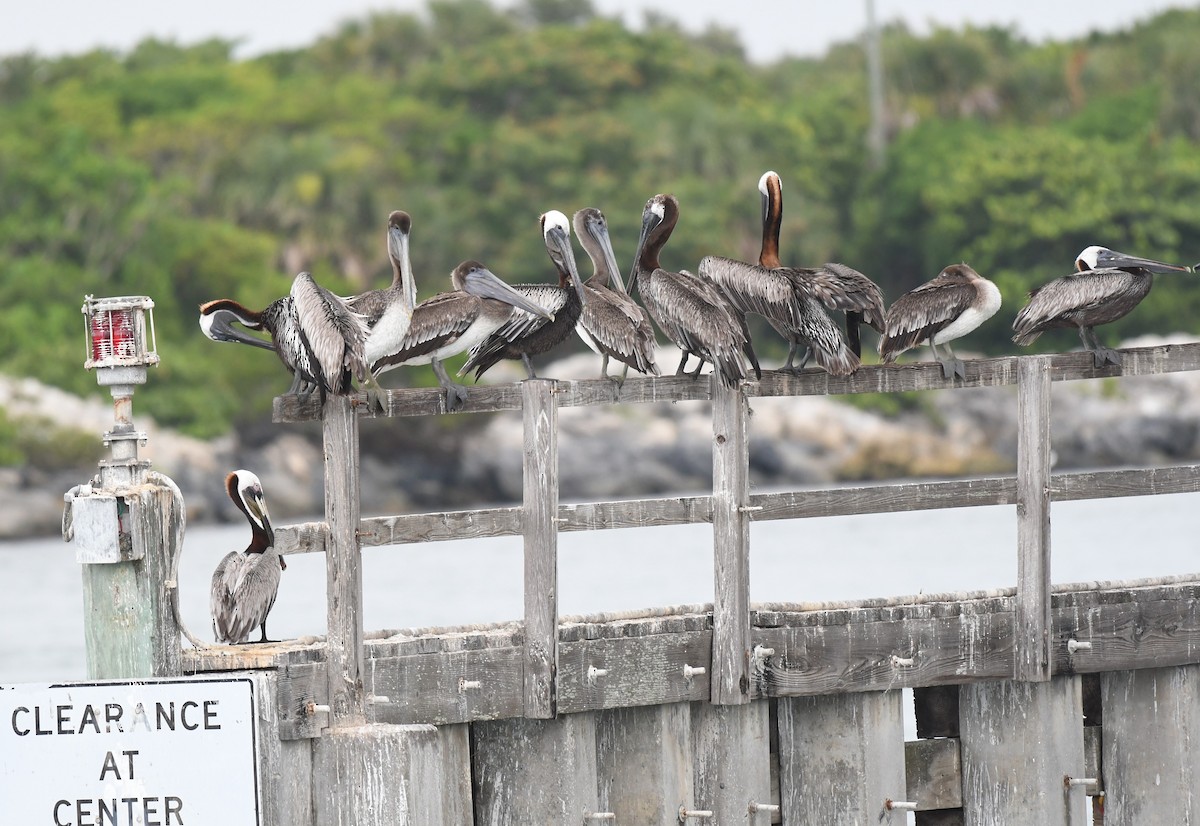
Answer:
(731, 547)
(1032, 620)
(1152, 745)
(733, 761)
(1019, 741)
(343, 564)
(539, 515)
(644, 762)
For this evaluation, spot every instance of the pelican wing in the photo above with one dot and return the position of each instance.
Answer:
(520, 324)
(1080, 294)
(753, 289)
(923, 312)
(620, 327)
(435, 322)
(224, 579)
(250, 584)
(839, 287)
(336, 335)
(371, 305)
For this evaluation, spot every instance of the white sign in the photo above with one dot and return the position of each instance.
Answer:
(153, 753)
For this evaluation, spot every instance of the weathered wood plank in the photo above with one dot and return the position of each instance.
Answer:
(1154, 632)
(636, 671)
(1032, 633)
(1152, 745)
(449, 687)
(1019, 740)
(343, 564)
(285, 766)
(933, 773)
(644, 762)
(731, 547)
(535, 771)
(841, 757)
(299, 688)
(1139, 361)
(732, 747)
(540, 529)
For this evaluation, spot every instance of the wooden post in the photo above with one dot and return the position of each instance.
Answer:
(535, 771)
(540, 528)
(731, 547)
(1151, 745)
(934, 758)
(644, 762)
(841, 756)
(343, 564)
(732, 745)
(129, 627)
(1019, 741)
(1032, 630)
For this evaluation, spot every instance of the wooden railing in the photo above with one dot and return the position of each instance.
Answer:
(730, 507)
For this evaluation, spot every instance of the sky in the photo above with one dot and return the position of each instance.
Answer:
(769, 29)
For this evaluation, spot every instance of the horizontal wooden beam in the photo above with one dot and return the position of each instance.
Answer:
(893, 378)
(309, 537)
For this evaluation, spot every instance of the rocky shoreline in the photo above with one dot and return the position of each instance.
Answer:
(636, 450)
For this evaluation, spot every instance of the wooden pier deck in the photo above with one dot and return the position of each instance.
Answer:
(1030, 700)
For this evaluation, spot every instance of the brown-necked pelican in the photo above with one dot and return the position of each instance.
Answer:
(245, 583)
(388, 312)
(1105, 287)
(691, 311)
(951, 305)
(314, 332)
(612, 323)
(526, 335)
(450, 323)
(794, 300)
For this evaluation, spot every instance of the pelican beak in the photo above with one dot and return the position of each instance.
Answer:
(486, 284)
(1112, 258)
(650, 219)
(564, 259)
(218, 325)
(600, 233)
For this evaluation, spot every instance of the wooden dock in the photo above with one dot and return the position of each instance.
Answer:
(1035, 704)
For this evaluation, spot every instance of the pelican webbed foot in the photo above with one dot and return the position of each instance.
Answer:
(456, 394)
(952, 367)
(1105, 355)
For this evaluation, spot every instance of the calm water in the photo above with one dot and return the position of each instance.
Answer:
(480, 581)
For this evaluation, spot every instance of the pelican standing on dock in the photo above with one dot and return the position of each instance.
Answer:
(1105, 287)
(525, 334)
(451, 323)
(612, 323)
(316, 335)
(951, 305)
(389, 311)
(245, 583)
(691, 311)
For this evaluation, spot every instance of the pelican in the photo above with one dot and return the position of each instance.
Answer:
(389, 311)
(244, 584)
(1105, 287)
(612, 323)
(527, 335)
(450, 323)
(690, 310)
(316, 335)
(951, 305)
(794, 299)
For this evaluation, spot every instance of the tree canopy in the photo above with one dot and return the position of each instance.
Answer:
(182, 173)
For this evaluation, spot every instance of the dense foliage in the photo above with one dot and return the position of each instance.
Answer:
(184, 174)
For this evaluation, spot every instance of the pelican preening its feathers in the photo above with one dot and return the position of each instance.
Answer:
(245, 583)
(1106, 286)
(316, 335)
(612, 323)
(451, 323)
(951, 305)
(691, 310)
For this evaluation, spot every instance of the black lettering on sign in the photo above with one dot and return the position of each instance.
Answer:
(174, 807)
(89, 718)
(37, 722)
(165, 715)
(18, 731)
(64, 714)
(110, 765)
(210, 715)
(112, 714)
(58, 806)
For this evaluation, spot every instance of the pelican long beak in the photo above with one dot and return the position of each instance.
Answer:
(650, 220)
(1121, 260)
(558, 244)
(218, 325)
(399, 251)
(486, 284)
(600, 233)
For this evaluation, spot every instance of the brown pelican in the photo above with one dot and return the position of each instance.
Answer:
(244, 584)
(314, 332)
(690, 310)
(1105, 287)
(389, 311)
(450, 323)
(951, 305)
(612, 323)
(794, 299)
(526, 335)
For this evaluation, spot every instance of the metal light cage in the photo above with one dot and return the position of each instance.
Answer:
(117, 331)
